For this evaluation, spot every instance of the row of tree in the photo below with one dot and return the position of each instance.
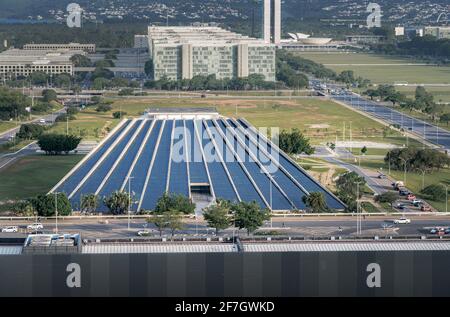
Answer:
(417, 160)
(423, 101)
(298, 65)
(210, 82)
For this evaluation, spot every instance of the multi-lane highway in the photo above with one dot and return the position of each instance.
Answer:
(427, 131)
(317, 226)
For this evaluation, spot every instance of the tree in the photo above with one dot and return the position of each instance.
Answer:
(45, 205)
(387, 197)
(316, 202)
(160, 222)
(118, 202)
(217, 216)
(89, 203)
(30, 131)
(101, 83)
(55, 144)
(49, 95)
(148, 68)
(13, 104)
(295, 143)
(249, 216)
(81, 61)
(23, 208)
(176, 202)
(347, 188)
(119, 114)
(174, 220)
(364, 150)
(103, 107)
(445, 118)
(126, 92)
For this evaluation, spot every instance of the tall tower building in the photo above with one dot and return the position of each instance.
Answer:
(272, 21)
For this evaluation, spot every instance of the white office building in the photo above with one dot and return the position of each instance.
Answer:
(16, 63)
(184, 52)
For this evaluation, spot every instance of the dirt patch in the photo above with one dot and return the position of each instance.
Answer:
(318, 126)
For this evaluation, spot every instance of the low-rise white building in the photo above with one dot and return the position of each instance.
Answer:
(15, 62)
(88, 48)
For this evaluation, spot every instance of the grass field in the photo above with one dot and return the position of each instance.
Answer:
(89, 124)
(383, 69)
(441, 94)
(414, 180)
(6, 125)
(320, 120)
(33, 175)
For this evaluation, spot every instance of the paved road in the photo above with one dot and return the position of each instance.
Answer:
(377, 185)
(304, 226)
(429, 132)
(49, 119)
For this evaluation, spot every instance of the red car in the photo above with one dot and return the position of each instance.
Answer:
(425, 208)
(411, 197)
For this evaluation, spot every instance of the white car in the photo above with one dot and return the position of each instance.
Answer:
(42, 121)
(143, 233)
(402, 221)
(35, 226)
(10, 229)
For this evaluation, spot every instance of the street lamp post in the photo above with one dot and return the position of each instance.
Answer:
(404, 172)
(129, 200)
(56, 212)
(446, 198)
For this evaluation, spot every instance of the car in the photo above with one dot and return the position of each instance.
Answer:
(382, 176)
(143, 233)
(447, 231)
(411, 197)
(10, 229)
(35, 227)
(425, 208)
(402, 221)
(437, 230)
(42, 121)
(400, 206)
(416, 202)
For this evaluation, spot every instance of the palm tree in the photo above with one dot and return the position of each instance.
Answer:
(315, 201)
(89, 203)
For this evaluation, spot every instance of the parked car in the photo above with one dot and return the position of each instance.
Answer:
(416, 202)
(143, 233)
(402, 221)
(404, 192)
(10, 229)
(382, 176)
(35, 227)
(42, 121)
(437, 230)
(411, 197)
(400, 206)
(425, 208)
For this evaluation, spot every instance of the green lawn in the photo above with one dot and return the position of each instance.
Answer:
(89, 124)
(370, 151)
(441, 94)
(33, 175)
(6, 125)
(320, 120)
(383, 69)
(414, 180)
